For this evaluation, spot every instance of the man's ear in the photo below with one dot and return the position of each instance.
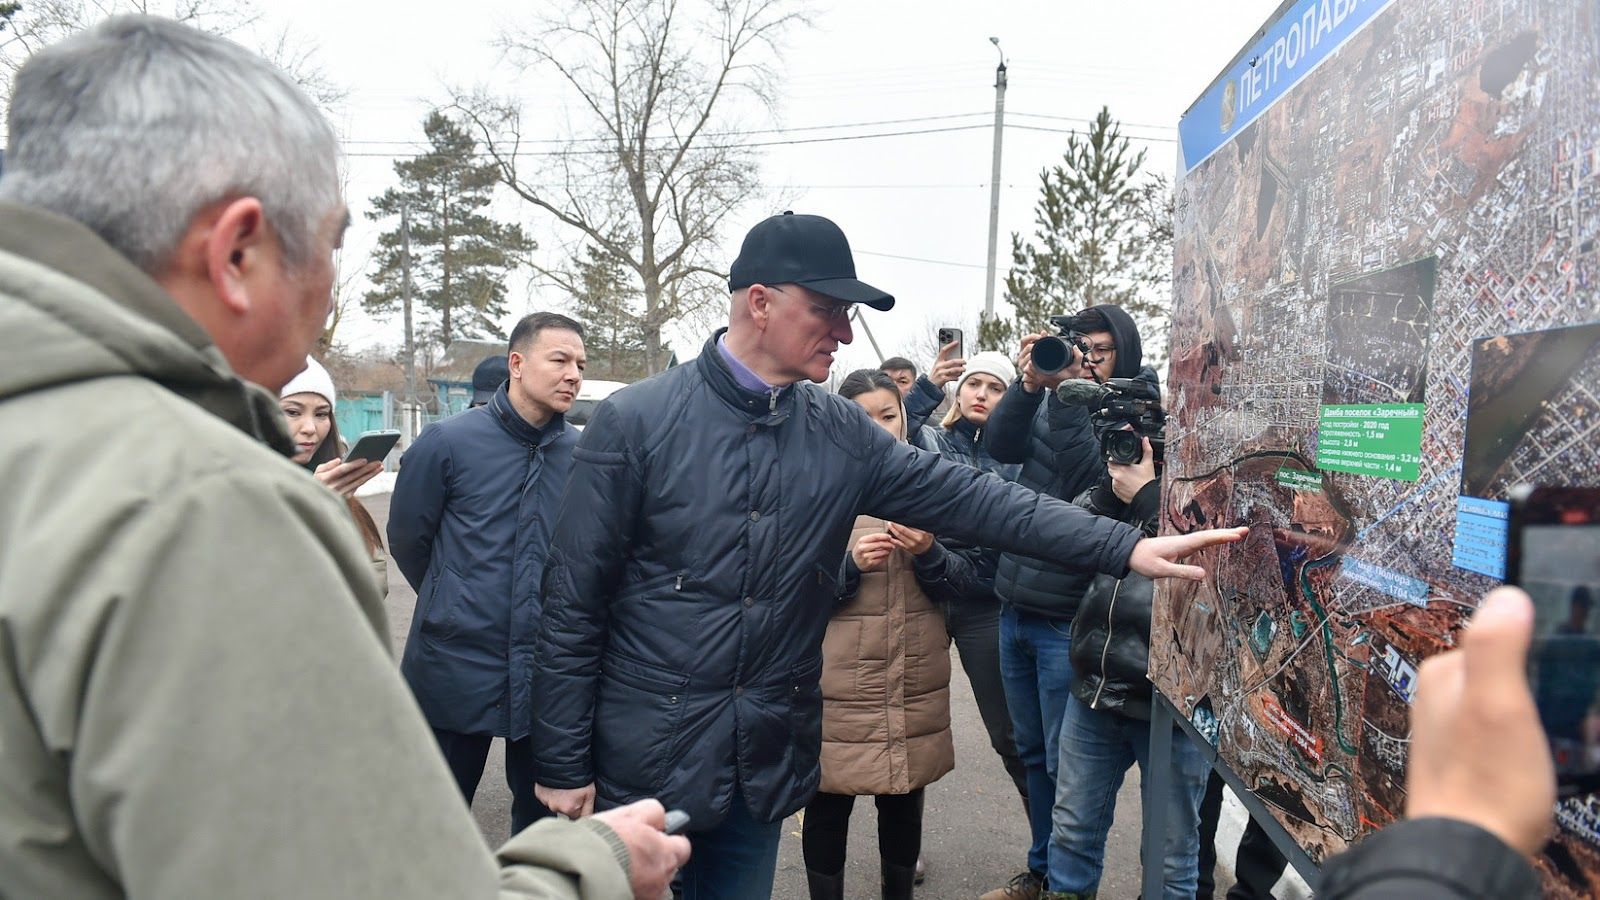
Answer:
(514, 361)
(759, 301)
(234, 252)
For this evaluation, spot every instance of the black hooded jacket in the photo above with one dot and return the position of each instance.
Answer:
(1060, 457)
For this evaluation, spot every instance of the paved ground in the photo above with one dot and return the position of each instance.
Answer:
(974, 833)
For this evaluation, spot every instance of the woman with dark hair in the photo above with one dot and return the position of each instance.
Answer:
(307, 402)
(885, 682)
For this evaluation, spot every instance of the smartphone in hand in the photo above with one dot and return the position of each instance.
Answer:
(373, 446)
(1553, 553)
(953, 335)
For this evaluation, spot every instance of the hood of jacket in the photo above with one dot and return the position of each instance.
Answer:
(124, 324)
(1130, 351)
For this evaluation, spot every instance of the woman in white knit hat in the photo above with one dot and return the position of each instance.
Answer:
(973, 619)
(307, 402)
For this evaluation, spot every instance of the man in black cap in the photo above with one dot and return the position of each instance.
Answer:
(487, 378)
(697, 551)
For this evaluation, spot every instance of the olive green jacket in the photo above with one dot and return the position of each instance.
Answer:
(197, 697)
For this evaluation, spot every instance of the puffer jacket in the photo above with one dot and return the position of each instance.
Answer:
(885, 682)
(921, 401)
(197, 694)
(469, 526)
(1111, 632)
(1056, 447)
(690, 580)
(962, 442)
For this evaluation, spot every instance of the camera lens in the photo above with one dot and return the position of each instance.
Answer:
(1051, 355)
(1122, 446)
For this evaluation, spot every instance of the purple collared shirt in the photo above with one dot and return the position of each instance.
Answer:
(747, 379)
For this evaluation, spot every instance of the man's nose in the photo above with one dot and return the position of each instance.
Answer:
(842, 331)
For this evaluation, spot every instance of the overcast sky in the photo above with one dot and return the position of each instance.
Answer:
(916, 195)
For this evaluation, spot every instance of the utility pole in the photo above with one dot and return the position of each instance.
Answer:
(994, 177)
(855, 313)
(409, 417)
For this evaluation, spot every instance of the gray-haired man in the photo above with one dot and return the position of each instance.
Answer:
(196, 693)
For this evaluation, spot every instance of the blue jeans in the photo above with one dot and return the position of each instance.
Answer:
(1096, 750)
(1036, 665)
(735, 860)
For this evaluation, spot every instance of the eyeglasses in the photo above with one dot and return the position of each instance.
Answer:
(831, 312)
(1100, 351)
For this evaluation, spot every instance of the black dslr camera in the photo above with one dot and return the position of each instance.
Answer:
(1052, 354)
(1125, 402)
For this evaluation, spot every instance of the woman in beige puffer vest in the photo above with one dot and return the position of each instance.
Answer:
(885, 684)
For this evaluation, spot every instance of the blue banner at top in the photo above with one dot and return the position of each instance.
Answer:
(1293, 46)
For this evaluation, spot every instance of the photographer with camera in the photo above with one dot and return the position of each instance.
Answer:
(1105, 728)
(1056, 446)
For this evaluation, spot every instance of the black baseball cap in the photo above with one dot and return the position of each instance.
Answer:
(487, 378)
(804, 250)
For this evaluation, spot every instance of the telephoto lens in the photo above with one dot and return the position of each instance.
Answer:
(1052, 354)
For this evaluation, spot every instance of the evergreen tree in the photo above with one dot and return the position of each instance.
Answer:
(460, 257)
(1102, 234)
(607, 302)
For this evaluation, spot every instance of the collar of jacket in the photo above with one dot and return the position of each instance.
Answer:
(515, 425)
(135, 329)
(768, 409)
(965, 428)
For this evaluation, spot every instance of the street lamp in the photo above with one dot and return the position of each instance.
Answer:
(994, 176)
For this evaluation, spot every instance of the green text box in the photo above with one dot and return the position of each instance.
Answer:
(1383, 440)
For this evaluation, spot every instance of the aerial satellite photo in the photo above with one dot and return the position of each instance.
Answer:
(1385, 318)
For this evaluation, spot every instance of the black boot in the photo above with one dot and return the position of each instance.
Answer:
(898, 881)
(825, 887)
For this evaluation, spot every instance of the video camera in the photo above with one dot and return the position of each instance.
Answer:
(1118, 404)
(1052, 354)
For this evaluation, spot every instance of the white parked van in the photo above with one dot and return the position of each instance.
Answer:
(589, 396)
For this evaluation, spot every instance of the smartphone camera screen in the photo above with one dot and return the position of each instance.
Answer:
(1559, 538)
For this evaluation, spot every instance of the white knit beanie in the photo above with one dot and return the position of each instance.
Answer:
(989, 362)
(314, 380)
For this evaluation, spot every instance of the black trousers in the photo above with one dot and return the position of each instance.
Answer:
(975, 628)
(827, 830)
(1258, 865)
(466, 754)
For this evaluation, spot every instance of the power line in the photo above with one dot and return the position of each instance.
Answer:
(920, 259)
(709, 147)
(734, 133)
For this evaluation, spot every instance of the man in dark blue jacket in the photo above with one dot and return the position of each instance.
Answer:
(696, 557)
(469, 525)
(1060, 457)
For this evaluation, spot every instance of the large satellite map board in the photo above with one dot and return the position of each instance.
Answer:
(1386, 291)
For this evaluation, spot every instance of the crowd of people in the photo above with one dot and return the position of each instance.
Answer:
(733, 595)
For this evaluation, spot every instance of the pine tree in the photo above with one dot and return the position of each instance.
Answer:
(607, 302)
(1102, 234)
(460, 257)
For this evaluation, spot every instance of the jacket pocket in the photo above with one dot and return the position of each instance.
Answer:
(638, 720)
(441, 611)
(805, 717)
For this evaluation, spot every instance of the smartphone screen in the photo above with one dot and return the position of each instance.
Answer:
(1557, 542)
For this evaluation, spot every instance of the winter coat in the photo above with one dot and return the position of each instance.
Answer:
(197, 697)
(885, 682)
(963, 442)
(1060, 457)
(922, 401)
(469, 526)
(1111, 632)
(1429, 859)
(690, 580)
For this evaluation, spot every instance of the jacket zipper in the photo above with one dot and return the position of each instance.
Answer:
(680, 583)
(772, 402)
(1106, 650)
